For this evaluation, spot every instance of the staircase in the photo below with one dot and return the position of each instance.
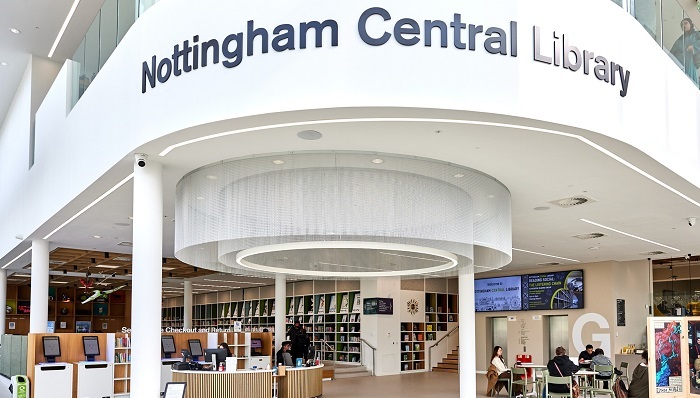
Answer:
(450, 364)
(347, 371)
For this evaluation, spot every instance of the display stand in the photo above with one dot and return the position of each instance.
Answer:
(53, 380)
(166, 374)
(95, 379)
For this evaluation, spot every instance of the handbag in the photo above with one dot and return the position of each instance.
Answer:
(619, 389)
(575, 391)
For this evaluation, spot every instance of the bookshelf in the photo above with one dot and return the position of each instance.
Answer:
(413, 336)
(122, 365)
(64, 308)
(330, 317)
(441, 309)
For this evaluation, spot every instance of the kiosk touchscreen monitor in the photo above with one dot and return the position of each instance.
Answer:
(219, 352)
(52, 347)
(195, 348)
(168, 344)
(91, 347)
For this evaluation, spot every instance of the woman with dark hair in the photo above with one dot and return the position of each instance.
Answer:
(224, 346)
(639, 387)
(497, 372)
(686, 47)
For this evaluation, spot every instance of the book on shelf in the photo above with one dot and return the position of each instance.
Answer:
(272, 311)
(319, 319)
(300, 310)
(357, 305)
(291, 307)
(332, 304)
(352, 318)
(311, 306)
(450, 318)
(345, 318)
(429, 328)
(345, 302)
(256, 312)
(322, 304)
(223, 311)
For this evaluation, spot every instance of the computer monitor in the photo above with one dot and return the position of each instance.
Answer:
(52, 347)
(91, 347)
(195, 349)
(219, 352)
(168, 344)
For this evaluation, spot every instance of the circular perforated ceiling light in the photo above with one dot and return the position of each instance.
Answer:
(341, 215)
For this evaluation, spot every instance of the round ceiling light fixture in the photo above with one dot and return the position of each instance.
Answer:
(15, 31)
(331, 216)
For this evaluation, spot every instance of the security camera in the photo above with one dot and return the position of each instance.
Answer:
(141, 160)
(691, 221)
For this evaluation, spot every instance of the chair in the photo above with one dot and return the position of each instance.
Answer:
(597, 382)
(561, 381)
(541, 381)
(625, 373)
(518, 377)
(507, 382)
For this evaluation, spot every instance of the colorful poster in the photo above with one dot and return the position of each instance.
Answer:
(694, 356)
(667, 344)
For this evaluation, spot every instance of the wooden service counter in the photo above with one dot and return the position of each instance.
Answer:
(301, 382)
(239, 384)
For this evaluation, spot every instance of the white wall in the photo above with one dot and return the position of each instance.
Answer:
(659, 115)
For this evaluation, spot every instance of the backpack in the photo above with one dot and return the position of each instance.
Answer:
(620, 389)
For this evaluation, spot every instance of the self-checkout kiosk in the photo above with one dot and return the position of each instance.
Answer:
(168, 345)
(95, 378)
(53, 379)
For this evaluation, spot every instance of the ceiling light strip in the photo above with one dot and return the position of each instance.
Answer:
(63, 28)
(546, 255)
(16, 258)
(626, 234)
(449, 121)
(93, 203)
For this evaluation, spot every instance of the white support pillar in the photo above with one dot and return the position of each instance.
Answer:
(3, 299)
(39, 315)
(280, 305)
(467, 334)
(147, 278)
(187, 306)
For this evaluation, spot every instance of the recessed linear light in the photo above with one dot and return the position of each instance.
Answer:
(377, 161)
(626, 234)
(16, 258)
(168, 268)
(97, 236)
(546, 255)
(459, 175)
(213, 177)
(15, 31)
(93, 203)
(540, 208)
(107, 266)
(278, 161)
(61, 282)
(445, 121)
(3, 63)
(63, 28)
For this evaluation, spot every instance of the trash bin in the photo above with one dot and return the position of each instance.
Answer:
(19, 386)
(524, 358)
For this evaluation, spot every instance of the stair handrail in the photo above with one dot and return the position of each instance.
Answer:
(374, 350)
(324, 344)
(430, 349)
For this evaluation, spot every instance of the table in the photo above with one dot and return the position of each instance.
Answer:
(584, 386)
(303, 382)
(535, 368)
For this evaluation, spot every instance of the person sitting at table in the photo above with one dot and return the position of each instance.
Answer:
(639, 387)
(284, 355)
(497, 371)
(599, 359)
(224, 346)
(586, 355)
(560, 366)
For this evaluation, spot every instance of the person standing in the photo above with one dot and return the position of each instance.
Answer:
(300, 345)
(686, 46)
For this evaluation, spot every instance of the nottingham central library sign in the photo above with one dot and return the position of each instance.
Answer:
(376, 27)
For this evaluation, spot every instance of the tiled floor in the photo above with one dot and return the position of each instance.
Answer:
(423, 384)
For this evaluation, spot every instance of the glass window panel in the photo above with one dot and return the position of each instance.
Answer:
(108, 30)
(92, 51)
(126, 17)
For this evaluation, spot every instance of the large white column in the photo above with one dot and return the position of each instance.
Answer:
(3, 299)
(187, 303)
(39, 314)
(147, 279)
(280, 306)
(467, 334)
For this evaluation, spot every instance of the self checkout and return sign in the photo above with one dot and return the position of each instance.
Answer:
(551, 47)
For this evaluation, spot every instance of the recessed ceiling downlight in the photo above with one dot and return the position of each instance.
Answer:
(573, 201)
(377, 161)
(592, 235)
(309, 135)
(3, 63)
(15, 31)
(278, 161)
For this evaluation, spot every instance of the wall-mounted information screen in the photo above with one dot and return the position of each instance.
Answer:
(498, 294)
(551, 290)
(555, 291)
